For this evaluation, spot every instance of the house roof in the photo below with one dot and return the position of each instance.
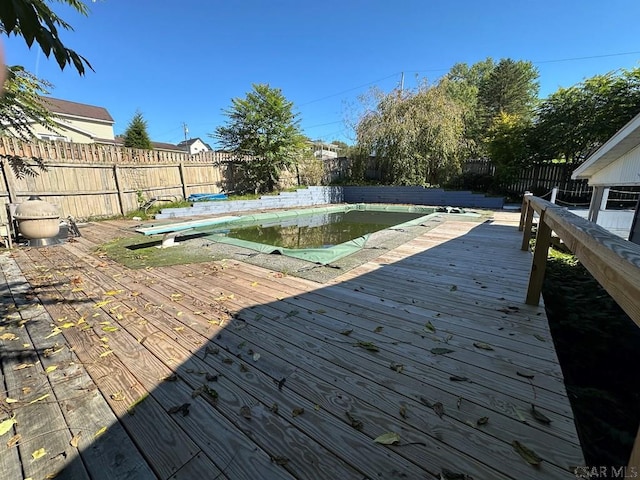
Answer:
(624, 140)
(74, 109)
(191, 141)
(119, 140)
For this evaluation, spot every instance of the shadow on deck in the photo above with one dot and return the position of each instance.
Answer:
(227, 370)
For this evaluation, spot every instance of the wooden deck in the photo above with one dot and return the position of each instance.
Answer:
(227, 370)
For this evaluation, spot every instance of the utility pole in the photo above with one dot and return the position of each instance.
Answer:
(186, 131)
(401, 82)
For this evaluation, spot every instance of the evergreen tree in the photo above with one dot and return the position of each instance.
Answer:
(136, 135)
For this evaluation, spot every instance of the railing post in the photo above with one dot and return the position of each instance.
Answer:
(528, 224)
(554, 194)
(536, 279)
(523, 209)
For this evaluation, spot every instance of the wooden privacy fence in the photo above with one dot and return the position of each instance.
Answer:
(613, 262)
(96, 180)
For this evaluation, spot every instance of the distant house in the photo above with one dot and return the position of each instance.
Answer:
(325, 151)
(76, 122)
(615, 164)
(194, 145)
(163, 146)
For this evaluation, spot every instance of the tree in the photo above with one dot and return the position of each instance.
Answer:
(263, 127)
(416, 136)
(33, 20)
(508, 146)
(573, 122)
(136, 136)
(22, 103)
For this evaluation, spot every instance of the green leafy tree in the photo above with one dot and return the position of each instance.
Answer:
(508, 146)
(33, 20)
(416, 136)
(136, 136)
(573, 122)
(264, 128)
(22, 103)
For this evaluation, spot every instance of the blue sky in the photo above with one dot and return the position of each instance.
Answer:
(184, 61)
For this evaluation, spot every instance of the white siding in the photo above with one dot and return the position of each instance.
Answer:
(624, 171)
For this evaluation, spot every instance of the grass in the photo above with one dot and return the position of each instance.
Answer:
(596, 343)
(156, 208)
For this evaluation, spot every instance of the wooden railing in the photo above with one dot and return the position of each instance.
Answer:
(613, 261)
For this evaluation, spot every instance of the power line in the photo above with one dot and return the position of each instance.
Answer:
(348, 90)
(587, 58)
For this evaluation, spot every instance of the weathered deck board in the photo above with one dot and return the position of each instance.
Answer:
(193, 319)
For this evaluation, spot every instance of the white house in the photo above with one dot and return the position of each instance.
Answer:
(616, 163)
(194, 145)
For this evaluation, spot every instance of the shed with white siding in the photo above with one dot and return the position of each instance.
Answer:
(616, 163)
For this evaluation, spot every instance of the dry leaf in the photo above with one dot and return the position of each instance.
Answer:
(278, 460)
(105, 353)
(387, 438)
(539, 337)
(256, 357)
(39, 398)
(54, 332)
(370, 346)
(482, 421)
(178, 329)
(528, 375)
(441, 351)
(378, 329)
(449, 475)
(438, 408)
(41, 452)
(453, 288)
(540, 417)
(8, 336)
(10, 400)
(429, 327)
(7, 425)
(118, 396)
(99, 432)
(529, 455)
(456, 378)
(403, 411)
(50, 368)
(355, 423)
(346, 332)
(22, 366)
(109, 328)
(13, 441)
(245, 411)
(102, 304)
(297, 411)
(184, 409)
(274, 408)
(68, 325)
(483, 346)
(113, 292)
(292, 313)
(75, 440)
(398, 367)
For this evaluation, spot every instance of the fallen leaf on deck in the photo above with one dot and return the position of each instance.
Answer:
(228, 361)
(398, 367)
(539, 337)
(41, 452)
(520, 415)
(292, 313)
(256, 357)
(22, 366)
(355, 423)
(171, 378)
(441, 351)
(76, 290)
(347, 332)
(245, 411)
(99, 432)
(482, 421)
(449, 475)
(281, 383)
(429, 327)
(378, 329)
(210, 377)
(113, 292)
(525, 375)
(131, 410)
(456, 378)
(529, 455)
(243, 368)
(387, 438)
(54, 332)
(10, 400)
(483, 346)
(317, 407)
(102, 304)
(75, 440)
(7, 425)
(297, 411)
(178, 329)
(50, 368)
(68, 325)
(372, 347)
(403, 411)
(118, 396)
(459, 402)
(278, 460)
(13, 441)
(8, 336)
(438, 408)
(274, 408)
(39, 398)
(539, 416)
(184, 409)
(105, 353)
(453, 288)
(109, 328)
(254, 284)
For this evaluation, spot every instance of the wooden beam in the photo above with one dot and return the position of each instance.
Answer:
(118, 180)
(9, 180)
(536, 279)
(182, 180)
(523, 209)
(528, 224)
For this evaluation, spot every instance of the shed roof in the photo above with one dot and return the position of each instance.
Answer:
(624, 140)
